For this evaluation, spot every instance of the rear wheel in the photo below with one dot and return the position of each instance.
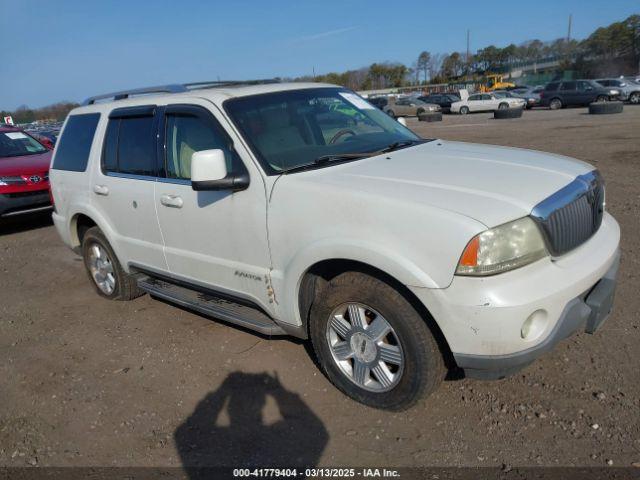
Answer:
(464, 110)
(420, 110)
(634, 98)
(555, 104)
(602, 98)
(391, 113)
(372, 344)
(104, 270)
(503, 105)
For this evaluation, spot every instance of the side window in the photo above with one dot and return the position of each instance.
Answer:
(584, 86)
(186, 134)
(130, 144)
(74, 147)
(552, 87)
(568, 85)
(474, 98)
(486, 97)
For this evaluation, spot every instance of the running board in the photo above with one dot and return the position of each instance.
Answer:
(211, 305)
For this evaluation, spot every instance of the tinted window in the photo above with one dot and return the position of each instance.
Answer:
(73, 150)
(552, 86)
(568, 85)
(486, 97)
(584, 86)
(473, 98)
(130, 146)
(187, 134)
(17, 144)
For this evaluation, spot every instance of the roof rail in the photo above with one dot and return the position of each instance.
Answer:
(137, 91)
(176, 88)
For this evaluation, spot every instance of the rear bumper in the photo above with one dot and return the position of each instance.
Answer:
(24, 203)
(586, 312)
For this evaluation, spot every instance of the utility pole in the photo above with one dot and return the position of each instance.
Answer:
(468, 56)
(569, 29)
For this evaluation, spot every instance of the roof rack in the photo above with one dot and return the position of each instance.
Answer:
(176, 88)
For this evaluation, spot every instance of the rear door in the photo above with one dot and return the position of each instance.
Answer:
(474, 102)
(123, 186)
(215, 238)
(569, 93)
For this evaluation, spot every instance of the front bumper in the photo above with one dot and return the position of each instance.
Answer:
(13, 204)
(482, 318)
(586, 312)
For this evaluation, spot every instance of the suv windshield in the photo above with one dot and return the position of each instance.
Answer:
(294, 128)
(16, 144)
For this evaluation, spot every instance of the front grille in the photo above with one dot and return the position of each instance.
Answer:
(572, 215)
(26, 194)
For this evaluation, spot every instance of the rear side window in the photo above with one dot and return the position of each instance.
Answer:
(568, 85)
(130, 145)
(72, 152)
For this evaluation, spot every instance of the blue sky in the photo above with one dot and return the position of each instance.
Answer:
(68, 50)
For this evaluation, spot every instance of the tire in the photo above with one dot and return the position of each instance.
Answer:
(634, 98)
(602, 98)
(503, 106)
(419, 112)
(391, 113)
(464, 110)
(555, 104)
(421, 367)
(507, 113)
(430, 117)
(603, 108)
(124, 286)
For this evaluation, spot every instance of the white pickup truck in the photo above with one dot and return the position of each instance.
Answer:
(301, 209)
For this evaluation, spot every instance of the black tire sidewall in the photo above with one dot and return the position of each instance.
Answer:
(423, 366)
(464, 110)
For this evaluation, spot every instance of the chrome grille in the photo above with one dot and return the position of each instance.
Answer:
(569, 217)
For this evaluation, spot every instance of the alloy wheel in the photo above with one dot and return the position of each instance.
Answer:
(365, 347)
(101, 269)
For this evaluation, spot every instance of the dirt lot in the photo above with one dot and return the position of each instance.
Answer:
(86, 381)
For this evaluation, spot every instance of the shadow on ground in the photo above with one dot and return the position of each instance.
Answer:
(251, 420)
(25, 222)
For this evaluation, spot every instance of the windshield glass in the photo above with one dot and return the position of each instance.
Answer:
(293, 128)
(15, 144)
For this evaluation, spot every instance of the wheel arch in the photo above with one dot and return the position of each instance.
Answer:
(84, 218)
(318, 275)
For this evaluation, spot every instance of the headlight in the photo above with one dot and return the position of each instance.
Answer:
(4, 181)
(502, 248)
(614, 92)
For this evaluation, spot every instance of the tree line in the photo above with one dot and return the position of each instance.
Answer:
(611, 50)
(55, 113)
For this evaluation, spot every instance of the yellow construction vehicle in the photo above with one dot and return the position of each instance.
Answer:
(495, 82)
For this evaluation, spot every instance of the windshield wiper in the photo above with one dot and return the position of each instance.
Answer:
(396, 145)
(329, 158)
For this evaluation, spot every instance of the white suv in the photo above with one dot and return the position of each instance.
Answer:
(301, 209)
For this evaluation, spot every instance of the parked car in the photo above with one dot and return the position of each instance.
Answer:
(24, 173)
(485, 102)
(629, 90)
(407, 107)
(379, 102)
(575, 93)
(389, 251)
(442, 99)
(531, 95)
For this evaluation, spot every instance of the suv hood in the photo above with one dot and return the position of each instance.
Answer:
(490, 184)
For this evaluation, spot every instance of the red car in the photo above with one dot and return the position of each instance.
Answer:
(24, 173)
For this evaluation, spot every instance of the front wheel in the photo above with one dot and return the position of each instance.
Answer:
(634, 98)
(391, 113)
(372, 344)
(602, 98)
(503, 106)
(464, 110)
(555, 104)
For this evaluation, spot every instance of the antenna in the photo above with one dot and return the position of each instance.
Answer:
(569, 29)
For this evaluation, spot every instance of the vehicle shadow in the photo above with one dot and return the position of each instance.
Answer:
(23, 223)
(228, 429)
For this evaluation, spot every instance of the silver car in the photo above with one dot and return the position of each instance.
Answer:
(409, 107)
(629, 89)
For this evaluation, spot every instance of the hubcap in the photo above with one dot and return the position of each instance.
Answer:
(101, 269)
(365, 347)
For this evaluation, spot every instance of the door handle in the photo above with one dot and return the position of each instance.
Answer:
(101, 190)
(173, 201)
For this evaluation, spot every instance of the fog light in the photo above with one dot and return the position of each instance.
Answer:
(534, 325)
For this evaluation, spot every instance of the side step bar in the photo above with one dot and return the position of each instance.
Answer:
(211, 305)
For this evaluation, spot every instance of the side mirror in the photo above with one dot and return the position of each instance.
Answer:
(402, 121)
(209, 172)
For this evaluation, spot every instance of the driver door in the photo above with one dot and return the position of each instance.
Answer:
(215, 238)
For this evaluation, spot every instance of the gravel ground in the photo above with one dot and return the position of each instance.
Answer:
(89, 382)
